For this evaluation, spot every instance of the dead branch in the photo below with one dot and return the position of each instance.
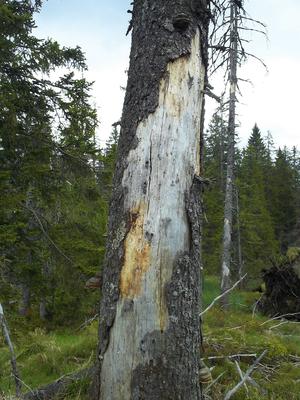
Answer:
(88, 322)
(230, 357)
(13, 361)
(222, 295)
(247, 374)
(212, 95)
(45, 233)
(241, 375)
(214, 382)
(51, 390)
(253, 20)
(249, 379)
(280, 317)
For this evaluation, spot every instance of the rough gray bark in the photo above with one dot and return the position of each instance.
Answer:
(228, 209)
(149, 332)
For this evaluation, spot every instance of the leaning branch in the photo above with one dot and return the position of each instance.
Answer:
(222, 295)
(46, 234)
(59, 386)
(12, 352)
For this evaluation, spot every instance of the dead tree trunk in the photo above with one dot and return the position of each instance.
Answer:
(149, 336)
(239, 242)
(228, 209)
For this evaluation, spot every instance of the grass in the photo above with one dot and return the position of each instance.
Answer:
(43, 357)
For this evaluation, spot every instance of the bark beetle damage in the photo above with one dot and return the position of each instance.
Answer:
(174, 373)
(155, 43)
(136, 257)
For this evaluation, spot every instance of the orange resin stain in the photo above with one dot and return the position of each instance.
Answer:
(137, 256)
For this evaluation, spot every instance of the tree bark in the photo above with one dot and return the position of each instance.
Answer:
(24, 309)
(149, 335)
(228, 209)
(46, 273)
(239, 242)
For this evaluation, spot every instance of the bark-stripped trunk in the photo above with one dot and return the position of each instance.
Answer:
(228, 209)
(239, 244)
(149, 336)
(222, 134)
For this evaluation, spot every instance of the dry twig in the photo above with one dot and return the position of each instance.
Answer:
(246, 376)
(222, 295)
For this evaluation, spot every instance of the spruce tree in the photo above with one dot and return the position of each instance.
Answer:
(284, 197)
(215, 170)
(51, 225)
(257, 230)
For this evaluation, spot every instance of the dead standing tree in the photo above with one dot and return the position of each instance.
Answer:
(149, 336)
(227, 50)
(228, 207)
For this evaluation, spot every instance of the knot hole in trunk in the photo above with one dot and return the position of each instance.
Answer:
(181, 22)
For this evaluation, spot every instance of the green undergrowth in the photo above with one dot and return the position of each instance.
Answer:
(43, 357)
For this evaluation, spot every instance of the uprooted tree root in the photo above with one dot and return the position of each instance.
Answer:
(282, 296)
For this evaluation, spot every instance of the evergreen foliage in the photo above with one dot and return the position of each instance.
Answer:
(257, 229)
(53, 205)
(268, 197)
(55, 182)
(215, 169)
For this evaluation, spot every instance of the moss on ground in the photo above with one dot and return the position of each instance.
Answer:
(239, 331)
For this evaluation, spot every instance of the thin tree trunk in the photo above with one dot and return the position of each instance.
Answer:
(12, 352)
(239, 244)
(222, 145)
(228, 209)
(46, 273)
(24, 309)
(149, 336)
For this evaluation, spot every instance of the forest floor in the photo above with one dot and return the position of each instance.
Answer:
(44, 356)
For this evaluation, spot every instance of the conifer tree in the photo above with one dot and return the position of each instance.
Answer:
(284, 197)
(215, 170)
(257, 230)
(49, 191)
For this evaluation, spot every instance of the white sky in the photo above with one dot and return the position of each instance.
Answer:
(99, 27)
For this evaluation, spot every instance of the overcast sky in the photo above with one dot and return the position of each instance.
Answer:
(99, 27)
